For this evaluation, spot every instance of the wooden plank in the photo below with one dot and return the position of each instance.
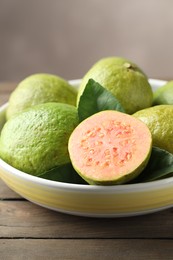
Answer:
(3, 98)
(22, 219)
(5, 91)
(7, 87)
(7, 193)
(86, 249)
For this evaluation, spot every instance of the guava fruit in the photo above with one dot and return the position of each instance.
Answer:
(159, 120)
(124, 79)
(164, 94)
(110, 147)
(36, 140)
(40, 88)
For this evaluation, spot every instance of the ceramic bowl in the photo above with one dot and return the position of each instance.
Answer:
(85, 200)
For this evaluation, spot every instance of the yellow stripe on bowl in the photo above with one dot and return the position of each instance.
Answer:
(89, 202)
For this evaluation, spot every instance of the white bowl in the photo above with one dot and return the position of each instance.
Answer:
(86, 200)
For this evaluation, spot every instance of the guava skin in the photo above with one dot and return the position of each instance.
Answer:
(159, 119)
(124, 80)
(38, 89)
(36, 140)
(113, 148)
(164, 94)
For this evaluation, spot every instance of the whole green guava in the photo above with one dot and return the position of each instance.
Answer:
(36, 140)
(124, 79)
(40, 88)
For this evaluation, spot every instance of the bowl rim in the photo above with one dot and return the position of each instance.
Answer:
(136, 187)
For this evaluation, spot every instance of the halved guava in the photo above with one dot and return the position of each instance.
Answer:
(110, 148)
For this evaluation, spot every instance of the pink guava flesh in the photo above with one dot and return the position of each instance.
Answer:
(110, 147)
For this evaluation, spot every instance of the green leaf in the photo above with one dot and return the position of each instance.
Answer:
(159, 166)
(65, 173)
(96, 98)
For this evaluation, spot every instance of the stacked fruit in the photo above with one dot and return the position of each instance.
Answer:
(113, 130)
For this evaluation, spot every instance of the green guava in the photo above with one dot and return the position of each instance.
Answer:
(110, 147)
(36, 140)
(159, 120)
(124, 79)
(164, 94)
(38, 89)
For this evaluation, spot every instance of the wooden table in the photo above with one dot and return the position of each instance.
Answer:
(28, 231)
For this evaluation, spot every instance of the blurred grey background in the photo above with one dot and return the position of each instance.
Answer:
(67, 37)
